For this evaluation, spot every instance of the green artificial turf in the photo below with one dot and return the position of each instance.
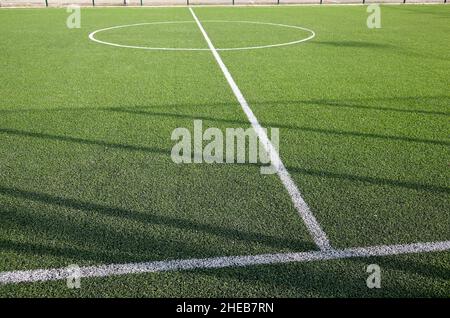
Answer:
(364, 125)
(86, 175)
(424, 275)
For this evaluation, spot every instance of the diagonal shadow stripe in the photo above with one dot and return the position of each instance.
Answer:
(373, 180)
(293, 127)
(356, 103)
(165, 220)
(23, 133)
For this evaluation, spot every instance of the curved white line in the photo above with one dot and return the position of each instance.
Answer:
(313, 34)
(92, 36)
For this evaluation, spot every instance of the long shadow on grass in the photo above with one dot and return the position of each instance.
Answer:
(83, 141)
(415, 267)
(188, 225)
(75, 254)
(102, 143)
(344, 278)
(79, 238)
(355, 44)
(294, 127)
(320, 173)
(359, 103)
(331, 278)
(232, 121)
(184, 116)
(372, 180)
(389, 48)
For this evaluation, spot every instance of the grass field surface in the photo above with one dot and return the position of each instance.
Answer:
(86, 175)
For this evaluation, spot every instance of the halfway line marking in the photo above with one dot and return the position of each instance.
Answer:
(318, 235)
(220, 262)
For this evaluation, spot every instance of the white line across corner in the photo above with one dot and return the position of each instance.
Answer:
(220, 262)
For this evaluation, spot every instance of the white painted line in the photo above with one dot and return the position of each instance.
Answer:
(94, 33)
(221, 262)
(318, 235)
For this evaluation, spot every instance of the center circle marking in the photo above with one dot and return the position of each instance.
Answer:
(311, 32)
